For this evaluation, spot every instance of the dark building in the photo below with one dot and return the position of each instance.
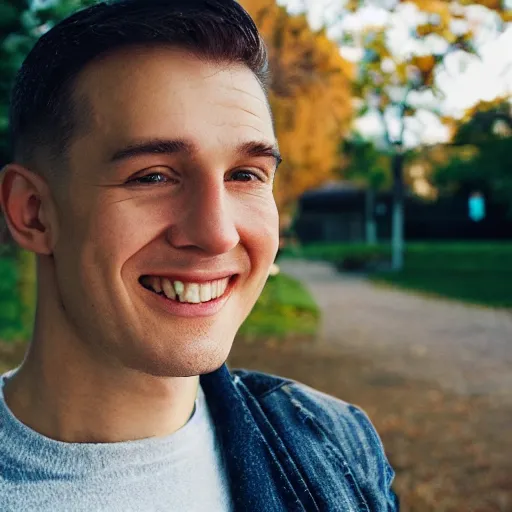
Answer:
(337, 214)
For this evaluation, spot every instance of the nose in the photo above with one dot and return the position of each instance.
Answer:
(207, 220)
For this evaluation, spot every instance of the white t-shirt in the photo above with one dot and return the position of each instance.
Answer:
(182, 472)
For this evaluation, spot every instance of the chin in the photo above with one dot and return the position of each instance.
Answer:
(195, 359)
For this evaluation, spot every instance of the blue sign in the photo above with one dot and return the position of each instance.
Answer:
(476, 206)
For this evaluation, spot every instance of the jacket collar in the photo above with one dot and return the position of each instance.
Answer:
(258, 480)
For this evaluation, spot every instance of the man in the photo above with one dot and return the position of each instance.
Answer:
(144, 162)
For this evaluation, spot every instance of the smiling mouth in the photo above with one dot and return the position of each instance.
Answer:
(188, 292)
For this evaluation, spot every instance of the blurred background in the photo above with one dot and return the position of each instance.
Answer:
(393, 283)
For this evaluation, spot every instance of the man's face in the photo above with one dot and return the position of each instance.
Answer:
(168, 226)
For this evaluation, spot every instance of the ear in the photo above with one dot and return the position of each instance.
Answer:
(26, 202)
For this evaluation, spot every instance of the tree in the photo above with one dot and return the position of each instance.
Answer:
(21, 23)
(310, 96)
(485, 122)
(396, 83)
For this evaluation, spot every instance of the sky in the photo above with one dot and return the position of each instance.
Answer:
(465, 81)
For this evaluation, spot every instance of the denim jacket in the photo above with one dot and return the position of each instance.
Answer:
(291, 448)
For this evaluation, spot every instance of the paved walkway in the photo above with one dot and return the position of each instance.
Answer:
(461, 347)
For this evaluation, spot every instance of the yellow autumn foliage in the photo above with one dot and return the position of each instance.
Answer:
(442, 7)
(310, 95)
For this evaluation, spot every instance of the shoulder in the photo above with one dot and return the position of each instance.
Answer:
(335, 414)
(341, 426)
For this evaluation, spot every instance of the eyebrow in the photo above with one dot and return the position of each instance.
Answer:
(174, 146)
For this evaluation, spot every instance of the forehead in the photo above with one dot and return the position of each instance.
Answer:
(152, 92)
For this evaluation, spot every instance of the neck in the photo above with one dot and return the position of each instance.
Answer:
(66, 394)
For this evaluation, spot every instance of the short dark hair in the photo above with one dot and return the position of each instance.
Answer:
(42, 111)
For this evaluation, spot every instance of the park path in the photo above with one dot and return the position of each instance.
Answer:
(463, 348)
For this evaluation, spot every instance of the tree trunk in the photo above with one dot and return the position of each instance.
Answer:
(397, 227)
(371, 225)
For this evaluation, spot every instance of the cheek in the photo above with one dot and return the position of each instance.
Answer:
(123, 228)
(258, 227)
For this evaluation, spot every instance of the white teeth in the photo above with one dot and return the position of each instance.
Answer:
(222, 285)
(205, 292)
(180, 290)
(192, 293)
(168, 288)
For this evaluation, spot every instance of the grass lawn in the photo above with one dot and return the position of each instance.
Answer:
(336, 252)
(474, 272)
(284, 308)
(487, 289)
(11, 325)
